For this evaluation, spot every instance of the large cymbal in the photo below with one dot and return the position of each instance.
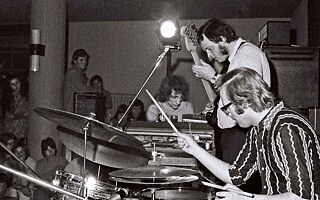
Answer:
(152, 171)
(154, 175)
(106, 145)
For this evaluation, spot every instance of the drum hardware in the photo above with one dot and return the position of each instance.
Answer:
(159, 59)
(105, 144)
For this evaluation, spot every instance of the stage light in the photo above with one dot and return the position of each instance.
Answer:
(169, 33)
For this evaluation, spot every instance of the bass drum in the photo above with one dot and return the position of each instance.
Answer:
(178, 193)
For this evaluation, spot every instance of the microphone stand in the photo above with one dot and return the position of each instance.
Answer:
(40, 182)
(159, 59)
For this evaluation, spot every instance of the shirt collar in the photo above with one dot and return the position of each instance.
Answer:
(235, 49)
(78, 69)
(267, 120)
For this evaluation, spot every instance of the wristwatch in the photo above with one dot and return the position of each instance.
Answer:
(214, 78)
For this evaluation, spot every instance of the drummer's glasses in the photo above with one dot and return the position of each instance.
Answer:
(225, 109)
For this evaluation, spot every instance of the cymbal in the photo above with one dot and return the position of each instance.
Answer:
(157, 181)
(151, 172)
(106, 145)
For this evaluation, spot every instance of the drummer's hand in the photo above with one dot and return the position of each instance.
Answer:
(186, 143)
(227, 194)
(204, 71)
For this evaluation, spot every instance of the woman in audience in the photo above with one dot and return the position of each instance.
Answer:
(14, 104)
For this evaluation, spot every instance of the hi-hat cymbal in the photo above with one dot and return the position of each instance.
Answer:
(157, 181)
(151, 172)
(106, 145)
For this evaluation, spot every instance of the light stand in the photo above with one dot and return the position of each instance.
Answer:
(159, 59)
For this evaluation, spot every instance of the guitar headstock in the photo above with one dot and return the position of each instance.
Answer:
(190, 35)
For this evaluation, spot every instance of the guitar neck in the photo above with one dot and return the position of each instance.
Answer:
(207, 85)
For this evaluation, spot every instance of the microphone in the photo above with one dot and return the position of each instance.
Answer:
(120, 194)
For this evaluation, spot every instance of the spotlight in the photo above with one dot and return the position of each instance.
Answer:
(169, 33)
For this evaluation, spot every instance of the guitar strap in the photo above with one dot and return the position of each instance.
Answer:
(212, 116)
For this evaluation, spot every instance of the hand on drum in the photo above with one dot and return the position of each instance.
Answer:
(186, 143)
(231, 192)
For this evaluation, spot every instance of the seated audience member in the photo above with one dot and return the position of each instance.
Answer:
(119, 113)
(47, 166)
(21, 188)
(8, 140)
(281, 144)
(172, 97)
(97, 83)
(5, 177)
(137, 112)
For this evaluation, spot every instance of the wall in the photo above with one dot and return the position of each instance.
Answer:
(125, 52)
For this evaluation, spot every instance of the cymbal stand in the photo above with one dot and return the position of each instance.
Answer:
(41, 182)
(159, 59)
(85, 131)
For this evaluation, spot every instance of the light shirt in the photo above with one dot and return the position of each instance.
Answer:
(184, 108)
(250, 56)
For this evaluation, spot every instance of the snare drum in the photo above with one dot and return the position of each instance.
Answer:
(176, 194)
(73, 183)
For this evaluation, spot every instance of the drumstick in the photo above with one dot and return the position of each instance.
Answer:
(162, 112)
(247, 194)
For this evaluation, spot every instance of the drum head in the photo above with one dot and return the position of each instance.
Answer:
(176, 194)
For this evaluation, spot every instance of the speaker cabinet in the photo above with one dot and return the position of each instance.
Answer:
(87, 103)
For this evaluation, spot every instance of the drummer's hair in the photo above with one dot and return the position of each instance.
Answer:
(48, 142)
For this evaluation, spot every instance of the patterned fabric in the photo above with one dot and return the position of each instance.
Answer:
(286, 151)
(16, 121)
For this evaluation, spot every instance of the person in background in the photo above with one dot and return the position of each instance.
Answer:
(117, 116)
(15, 107)
(96, 82)
(47, 166)
(21, 188)
(280, 144)
(137, 112)
(76, 80)
(172, 97)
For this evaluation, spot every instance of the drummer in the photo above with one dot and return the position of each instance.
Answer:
(47, 166)
(281, 144)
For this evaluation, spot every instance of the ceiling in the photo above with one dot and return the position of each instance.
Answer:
(18, 11)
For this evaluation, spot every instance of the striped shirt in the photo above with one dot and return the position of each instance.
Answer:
(285, 149)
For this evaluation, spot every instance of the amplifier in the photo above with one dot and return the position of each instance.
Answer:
(87, 103)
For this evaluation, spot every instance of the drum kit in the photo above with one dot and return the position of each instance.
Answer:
(110, 146)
